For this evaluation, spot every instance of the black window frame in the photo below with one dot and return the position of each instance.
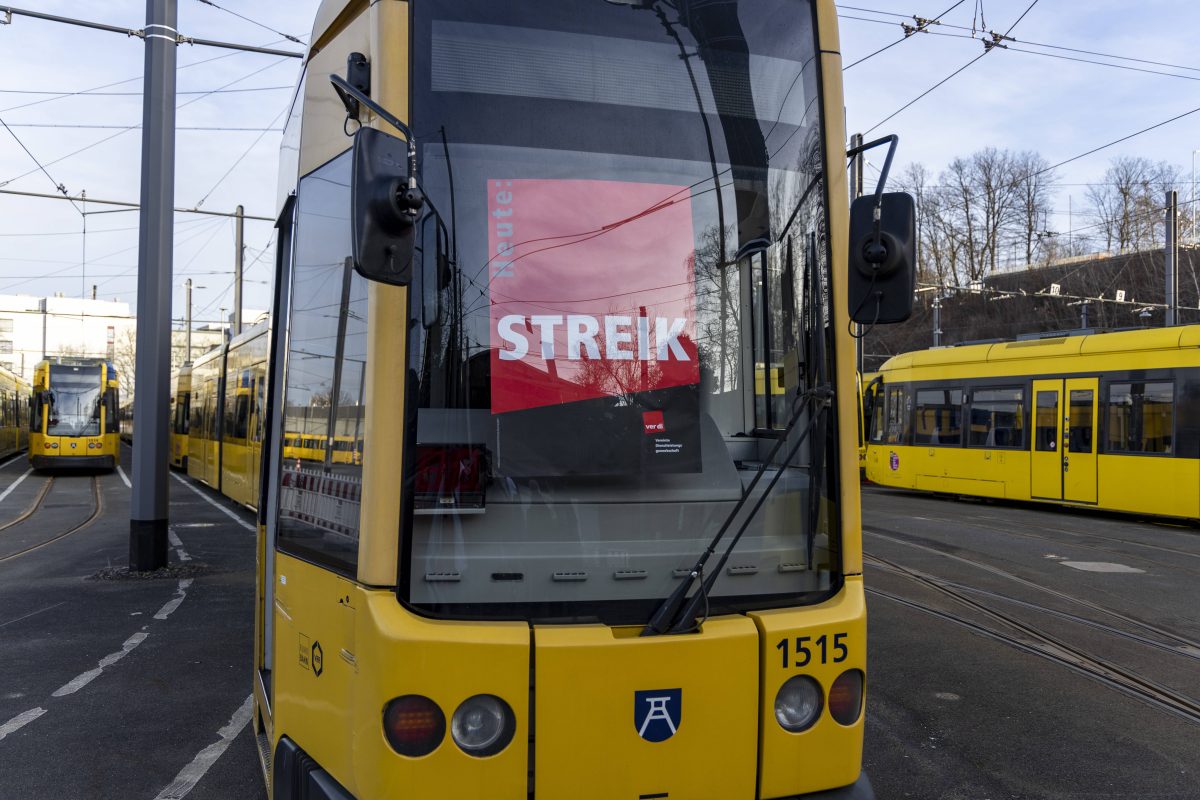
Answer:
(946, 390)
(1136, 422)
(968, 417)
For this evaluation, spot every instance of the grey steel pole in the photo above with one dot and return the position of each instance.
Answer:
(149, 504)
(239, 251)
(1170, 253)
(937, 322)
(188, 339)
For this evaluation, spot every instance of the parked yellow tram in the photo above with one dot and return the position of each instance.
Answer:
(74, 419)
(227, 399)
(14, 415)
(517, 398)
(181, 405)
(1096, 421)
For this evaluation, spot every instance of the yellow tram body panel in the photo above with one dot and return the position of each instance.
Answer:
(74, 415)
(335, 644)
(181, 404)
(14, 413)
(1097, 417)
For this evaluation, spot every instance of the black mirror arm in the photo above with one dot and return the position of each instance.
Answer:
(894, 142)
(344, 90)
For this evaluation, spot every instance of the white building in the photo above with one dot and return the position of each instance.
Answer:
(32, 328)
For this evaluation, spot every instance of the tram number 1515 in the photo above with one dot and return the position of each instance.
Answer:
(804, 653)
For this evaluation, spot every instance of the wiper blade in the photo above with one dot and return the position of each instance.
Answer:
(672, 615)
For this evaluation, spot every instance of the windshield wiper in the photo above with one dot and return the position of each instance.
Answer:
(673, 615)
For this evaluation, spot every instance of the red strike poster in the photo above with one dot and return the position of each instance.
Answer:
(592, 292)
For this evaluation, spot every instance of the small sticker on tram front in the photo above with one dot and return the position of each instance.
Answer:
(893, 461)
(305, 652)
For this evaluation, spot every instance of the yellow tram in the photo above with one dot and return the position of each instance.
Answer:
(14, 416)
(181, 405)
(518, 395)
(1097, 421)
(227, 397)
(74, 419)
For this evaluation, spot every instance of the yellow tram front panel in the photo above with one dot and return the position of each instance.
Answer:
(822, 642)
(587, 684)
(371, 651)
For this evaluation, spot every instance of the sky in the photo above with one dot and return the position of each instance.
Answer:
(1008, 99)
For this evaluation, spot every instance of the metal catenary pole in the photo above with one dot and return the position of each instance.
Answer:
(149, 504)
(1170, 254)
(239, 252)
(188, 339)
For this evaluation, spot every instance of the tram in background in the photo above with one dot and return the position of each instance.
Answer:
(1099, 421)
(226, 402)
(181, 406)
(74, 417)
(14, 413)
(548, 319)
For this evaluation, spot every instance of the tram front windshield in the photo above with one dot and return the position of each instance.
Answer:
(621, 297)
(74, 401)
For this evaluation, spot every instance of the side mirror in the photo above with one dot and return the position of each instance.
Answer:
(383, 208)
(882, 258)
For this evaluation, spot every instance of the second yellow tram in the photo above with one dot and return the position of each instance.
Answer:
(74, 419)
(1095, 421)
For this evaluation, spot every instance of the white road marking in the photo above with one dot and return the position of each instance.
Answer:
(11, 459)
(15, 484)
(83, 679)
(190, 775)
(173, 538)
(214, 504)
(124, 477)
(31, 613)
(1099, 566)
(20, 721)
(174, 602)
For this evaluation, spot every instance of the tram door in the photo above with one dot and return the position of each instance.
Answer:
(1063, 462)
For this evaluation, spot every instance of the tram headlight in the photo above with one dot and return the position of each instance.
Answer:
(414, 725)
(845, 697)
(482, 725)
(798, 703)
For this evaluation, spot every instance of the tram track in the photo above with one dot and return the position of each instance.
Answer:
(33, 507)
(1084, 533)
(97, 507)
(899, 537)
(1043, 645)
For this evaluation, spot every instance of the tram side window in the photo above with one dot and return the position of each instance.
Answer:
(112, 418)
(897, 426)
(319, 493)
(997, 418)
(1045, 435)
(938, 417)
(1140, 418)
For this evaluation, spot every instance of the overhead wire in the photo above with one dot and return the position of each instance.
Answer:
(137, 77)
(923, 94)
(126, 130)
(287, 36)
(934, 21)
(58, 185)
(87, 93)
(245, 153)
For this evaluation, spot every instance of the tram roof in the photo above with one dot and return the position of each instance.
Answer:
(326, 19)
(1175, 338)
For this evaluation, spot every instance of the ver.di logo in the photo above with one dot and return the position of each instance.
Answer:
(657, 713)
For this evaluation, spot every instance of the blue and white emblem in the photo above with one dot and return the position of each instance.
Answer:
(657, 713)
